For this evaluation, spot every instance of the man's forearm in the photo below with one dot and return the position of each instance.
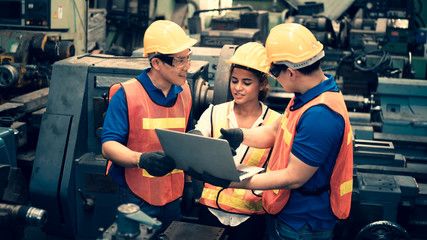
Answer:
(120, 154)
(259, 137)
(267, 181)
(296, 174)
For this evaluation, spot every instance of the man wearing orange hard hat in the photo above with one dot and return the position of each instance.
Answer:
(159, 97)
(309, 178)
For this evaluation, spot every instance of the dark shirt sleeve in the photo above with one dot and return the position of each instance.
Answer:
(190, 124)
(115, 126)
(319, 134)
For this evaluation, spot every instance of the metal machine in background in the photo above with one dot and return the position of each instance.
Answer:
(127, 22)
(26, 59)
(399, 115)
(131, 223)
(310, 15)
(16, 213)
(387, 25)
(33, 35)
(390, 157)
(249, 25)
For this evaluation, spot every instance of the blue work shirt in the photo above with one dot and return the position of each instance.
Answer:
(317, 143)
(116, 123)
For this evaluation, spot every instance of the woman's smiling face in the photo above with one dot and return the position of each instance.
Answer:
(244, 86)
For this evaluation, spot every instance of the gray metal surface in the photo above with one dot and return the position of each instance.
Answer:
(222, 77)
(7, 148)
(191, 231)
(32, 101)
(403, 106)
(95, 206)
(48, 169)
(219, 38)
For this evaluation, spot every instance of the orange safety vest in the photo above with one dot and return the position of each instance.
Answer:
(341, 183)
(231, 199)
(144, 116)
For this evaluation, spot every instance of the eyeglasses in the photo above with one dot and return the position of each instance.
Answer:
(177, 62)
(276, 69)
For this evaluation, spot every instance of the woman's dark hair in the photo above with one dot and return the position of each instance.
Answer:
(262, 77)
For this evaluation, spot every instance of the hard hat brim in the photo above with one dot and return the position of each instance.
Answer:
(191, 42)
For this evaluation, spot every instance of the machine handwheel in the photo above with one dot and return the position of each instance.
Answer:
(383, 230)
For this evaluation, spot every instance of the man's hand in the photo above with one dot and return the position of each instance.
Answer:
(234, 136)
(192, 173)
(206, 177)
(156, 163)
(195, 132)
(215, 181)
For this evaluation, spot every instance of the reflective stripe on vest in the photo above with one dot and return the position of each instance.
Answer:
(342, 176)
(144, 116)
(240, 201)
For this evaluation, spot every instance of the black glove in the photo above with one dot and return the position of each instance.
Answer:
(156, 163)
(192, 173)
(206, 177)
(234, 136)
(195, 132)
(188, 199)
(215, 181)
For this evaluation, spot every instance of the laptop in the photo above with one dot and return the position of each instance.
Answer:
(203, 154)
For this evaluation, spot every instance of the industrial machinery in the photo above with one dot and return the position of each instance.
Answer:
(310, 16)
(28, 61)
(15, 211)
(33, 35)
(131, 223)
(64, 19)
(395, 24)
(247, 26)
(128, 20)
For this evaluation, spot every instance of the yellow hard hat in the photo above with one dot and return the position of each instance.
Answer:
(294, 45)
(166, 37)
(252, 55)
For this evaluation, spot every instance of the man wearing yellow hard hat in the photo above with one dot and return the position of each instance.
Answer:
(158, 98)
(308, 182)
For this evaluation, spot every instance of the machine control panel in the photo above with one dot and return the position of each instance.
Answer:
(37, 14)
